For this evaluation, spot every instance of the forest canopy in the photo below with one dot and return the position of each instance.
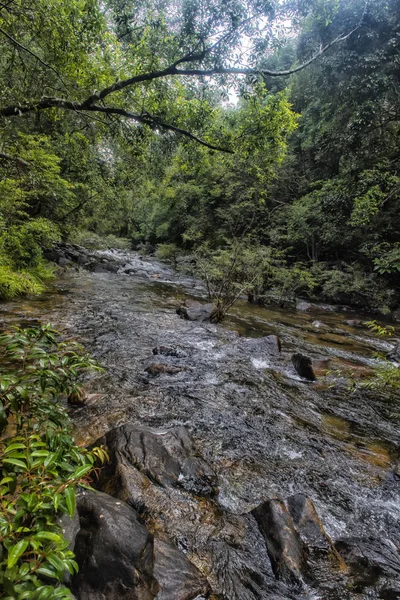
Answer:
(192, 125)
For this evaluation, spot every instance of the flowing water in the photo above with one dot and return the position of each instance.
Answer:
(266, 432)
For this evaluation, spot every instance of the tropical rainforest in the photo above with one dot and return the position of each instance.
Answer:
(262, 129)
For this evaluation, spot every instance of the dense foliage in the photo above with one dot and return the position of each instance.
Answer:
(40, 464)
(202, 124)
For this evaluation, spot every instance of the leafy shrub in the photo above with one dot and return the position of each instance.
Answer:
(24, 243)
(167, 252)
(18, 283)
(242, 268)
(351, 285)
(40, 465)
(94, 241)
(290, 281)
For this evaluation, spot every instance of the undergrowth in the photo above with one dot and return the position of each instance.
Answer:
(40, 465)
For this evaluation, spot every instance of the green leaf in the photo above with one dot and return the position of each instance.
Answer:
(48, 535)
(15, 552)
(70, 499)
(16, 462)
(81, 471)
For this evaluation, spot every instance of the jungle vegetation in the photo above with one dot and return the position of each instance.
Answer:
(201, 126)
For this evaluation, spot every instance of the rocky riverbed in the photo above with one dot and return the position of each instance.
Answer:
(231, 476)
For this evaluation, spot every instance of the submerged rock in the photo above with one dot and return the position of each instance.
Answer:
(168, 351)
(195, 311)
(371, 562)
(158, 369)
(353, 323)
(320, 325)
(303, 366)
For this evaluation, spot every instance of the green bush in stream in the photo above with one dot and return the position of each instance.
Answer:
(40, 464)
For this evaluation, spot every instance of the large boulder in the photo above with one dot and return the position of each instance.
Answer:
(169, 458)
(195, 311)
(114, 551)
(303, 366)
(298, 546)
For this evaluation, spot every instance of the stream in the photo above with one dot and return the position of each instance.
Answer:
(265, 432)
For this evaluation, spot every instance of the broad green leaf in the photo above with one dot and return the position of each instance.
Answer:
(15, 552)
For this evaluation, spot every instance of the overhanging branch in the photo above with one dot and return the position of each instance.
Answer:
(15, 159)
(91, 103)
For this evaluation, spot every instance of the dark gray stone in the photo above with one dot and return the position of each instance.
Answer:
(303, 366)
(178, 579)
(195, 311)
(114, 551)
(168, 458)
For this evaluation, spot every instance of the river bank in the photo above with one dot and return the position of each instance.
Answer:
(251, 430)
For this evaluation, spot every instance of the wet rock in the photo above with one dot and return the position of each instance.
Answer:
(283, 543)
(321, 366)
(274, 343)
(64, 262)
(114, 551)
(269, 344)
(396, 315)
(309, 307)
(307, 523)
(158, 369)
(195, 311)
(299, 548)
(105, 267)
(178, 579)
(168, 351)
(370, 560)
(394, 353)
(320, 325)
(168, 458)
(353, 323)
(303, 366)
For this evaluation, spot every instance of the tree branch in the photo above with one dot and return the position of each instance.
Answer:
(89, 105)
(190, 57)
(146, 119)
(15, 159)
(19, 45)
